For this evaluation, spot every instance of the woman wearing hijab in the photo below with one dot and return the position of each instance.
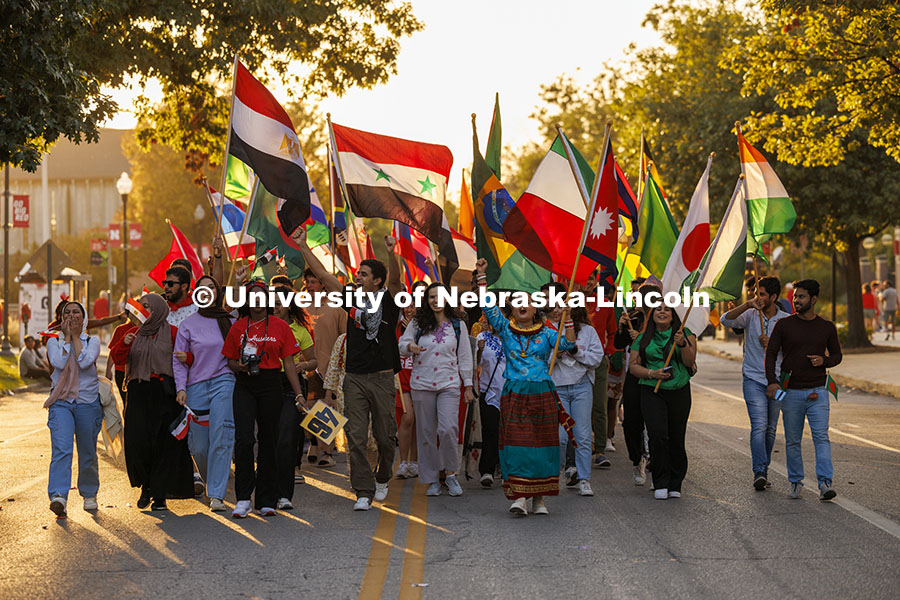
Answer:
(205, 384)
(74, 409)
(157, 462)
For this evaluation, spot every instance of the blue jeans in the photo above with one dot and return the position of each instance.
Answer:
(68, 420)
(578, 400)
(213, 446)
(796, 407)
(763, 413)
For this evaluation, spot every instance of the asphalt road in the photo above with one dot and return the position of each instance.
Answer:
(720, 540)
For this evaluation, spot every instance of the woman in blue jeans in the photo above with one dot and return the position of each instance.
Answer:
(74, 410)
(205, 384)
(573, 375)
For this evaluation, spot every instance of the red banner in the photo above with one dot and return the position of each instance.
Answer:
(135, 235)
(21, 215)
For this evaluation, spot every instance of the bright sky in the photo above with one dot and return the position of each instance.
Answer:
(471, 49)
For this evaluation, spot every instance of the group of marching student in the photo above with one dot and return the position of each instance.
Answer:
(548, 388)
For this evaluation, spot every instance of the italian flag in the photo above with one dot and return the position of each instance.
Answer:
(393, 178)
(770, 207)
(546, 222)
(722, 272)
(692, 244)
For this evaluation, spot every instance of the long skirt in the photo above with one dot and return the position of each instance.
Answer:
(155, 460)
(528, 443)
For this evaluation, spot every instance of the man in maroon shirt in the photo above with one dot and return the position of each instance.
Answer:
(809, 345)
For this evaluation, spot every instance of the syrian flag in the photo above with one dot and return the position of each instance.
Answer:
(721, 274)
(137, 309)
(545, 221)
(232, 219)
(602, 234)
(263, 137)
(692, 244)
(181, 248)
(393, 178)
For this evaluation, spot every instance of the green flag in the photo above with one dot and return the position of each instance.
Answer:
(263, 225)
(237, 180)
(658, 232)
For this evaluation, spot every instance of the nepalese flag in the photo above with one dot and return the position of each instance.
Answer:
(544, 222)
(137, 309)
(413, 249)
(316, 225)
(263, 137)
(232, 217)
(602, 233)
(769, 206)
(393, 178)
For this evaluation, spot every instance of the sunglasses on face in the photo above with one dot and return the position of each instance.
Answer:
(168, 283)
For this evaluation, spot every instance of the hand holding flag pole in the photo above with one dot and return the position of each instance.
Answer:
(589, 203)
(638, 216)
(244, 228)
(762, 326)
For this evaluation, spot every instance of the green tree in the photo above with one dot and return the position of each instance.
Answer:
(62, 52)
(833, 69)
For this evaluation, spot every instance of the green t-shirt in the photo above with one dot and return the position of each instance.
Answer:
(656, 358)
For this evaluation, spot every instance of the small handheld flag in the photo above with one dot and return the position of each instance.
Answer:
(832, 388)
(137, 309)
(179, 427)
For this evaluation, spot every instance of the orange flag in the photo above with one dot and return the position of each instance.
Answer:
(466, 211)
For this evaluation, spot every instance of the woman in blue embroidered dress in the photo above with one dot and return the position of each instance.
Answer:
(530, 410)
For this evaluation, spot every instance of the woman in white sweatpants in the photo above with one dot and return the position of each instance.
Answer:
(439, 341)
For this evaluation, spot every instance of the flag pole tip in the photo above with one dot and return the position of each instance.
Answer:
(328, 115)
(712, 154)
(737, 124)
(741, 177)
(609, 122)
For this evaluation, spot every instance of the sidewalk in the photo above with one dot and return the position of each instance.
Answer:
(877, 373)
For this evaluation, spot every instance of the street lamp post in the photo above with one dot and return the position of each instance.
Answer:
(123, 186)
(6, 350)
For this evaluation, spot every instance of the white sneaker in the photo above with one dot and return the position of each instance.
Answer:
(381, 490)
(518, 507)
(609, 446)
(433, 490)
(640, 475)
(584, 488)
(216, 505)
(267, 511)
(403, 470)
(242, 509)
(412, 469)
(539, 507)
(453, 483)
(284, 504)
(487, 480)
(58, 506)
(90, 504)
(674, 494)
(661, 494)
(363, 503)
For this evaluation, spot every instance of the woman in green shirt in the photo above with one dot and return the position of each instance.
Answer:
(665, 411)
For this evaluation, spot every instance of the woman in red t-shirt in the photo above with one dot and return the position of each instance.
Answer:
(870, 307)
(257, 347)
(406, 418)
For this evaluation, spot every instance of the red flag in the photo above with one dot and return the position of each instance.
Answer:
(603, 229)
(181, 248)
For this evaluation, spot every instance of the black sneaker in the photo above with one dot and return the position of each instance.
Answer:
(826, 492)
(571, 477)
(601, 462)
(144, 501)
(760, 482)
(159, 504)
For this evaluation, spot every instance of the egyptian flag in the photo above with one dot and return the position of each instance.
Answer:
(179, 427)
(263, 137)
(397, 179)
(137, 309)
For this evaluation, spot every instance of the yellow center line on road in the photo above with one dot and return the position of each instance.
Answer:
(382, 542)
(832, 429)
(414, 557)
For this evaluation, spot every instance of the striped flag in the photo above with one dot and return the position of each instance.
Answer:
(832, 388)
(770, 208)
(721, 273)
(179, 427)
(263, 137)
(137, 309)
(412, 248)
(232, 217)
(316, 225)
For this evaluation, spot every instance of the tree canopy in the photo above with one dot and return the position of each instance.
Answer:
(61, 52)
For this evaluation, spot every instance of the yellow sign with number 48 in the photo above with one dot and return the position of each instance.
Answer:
(323, 422)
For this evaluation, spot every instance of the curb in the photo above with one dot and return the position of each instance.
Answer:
(865, 385)
(34, 387)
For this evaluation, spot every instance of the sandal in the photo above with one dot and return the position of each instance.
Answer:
(326, 460)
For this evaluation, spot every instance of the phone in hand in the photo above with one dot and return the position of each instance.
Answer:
(667, 370)
(779, 395)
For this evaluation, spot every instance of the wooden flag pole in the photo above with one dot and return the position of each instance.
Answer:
(340, 174)
(244, 228)
(589, 203)
(737, 127)
(331, 237)
(228, 139)
(687, 313)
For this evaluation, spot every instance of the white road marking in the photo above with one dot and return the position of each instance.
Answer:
(24, 435)
(831, 429)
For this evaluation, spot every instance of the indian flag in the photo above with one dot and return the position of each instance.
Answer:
(721, 273)
(770, 207)
(546, 222)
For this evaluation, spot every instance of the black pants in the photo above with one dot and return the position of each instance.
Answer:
(490, 434)
(257, 401)
(154, 459)
(289, 437)
(666, 414)
(633, 418)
